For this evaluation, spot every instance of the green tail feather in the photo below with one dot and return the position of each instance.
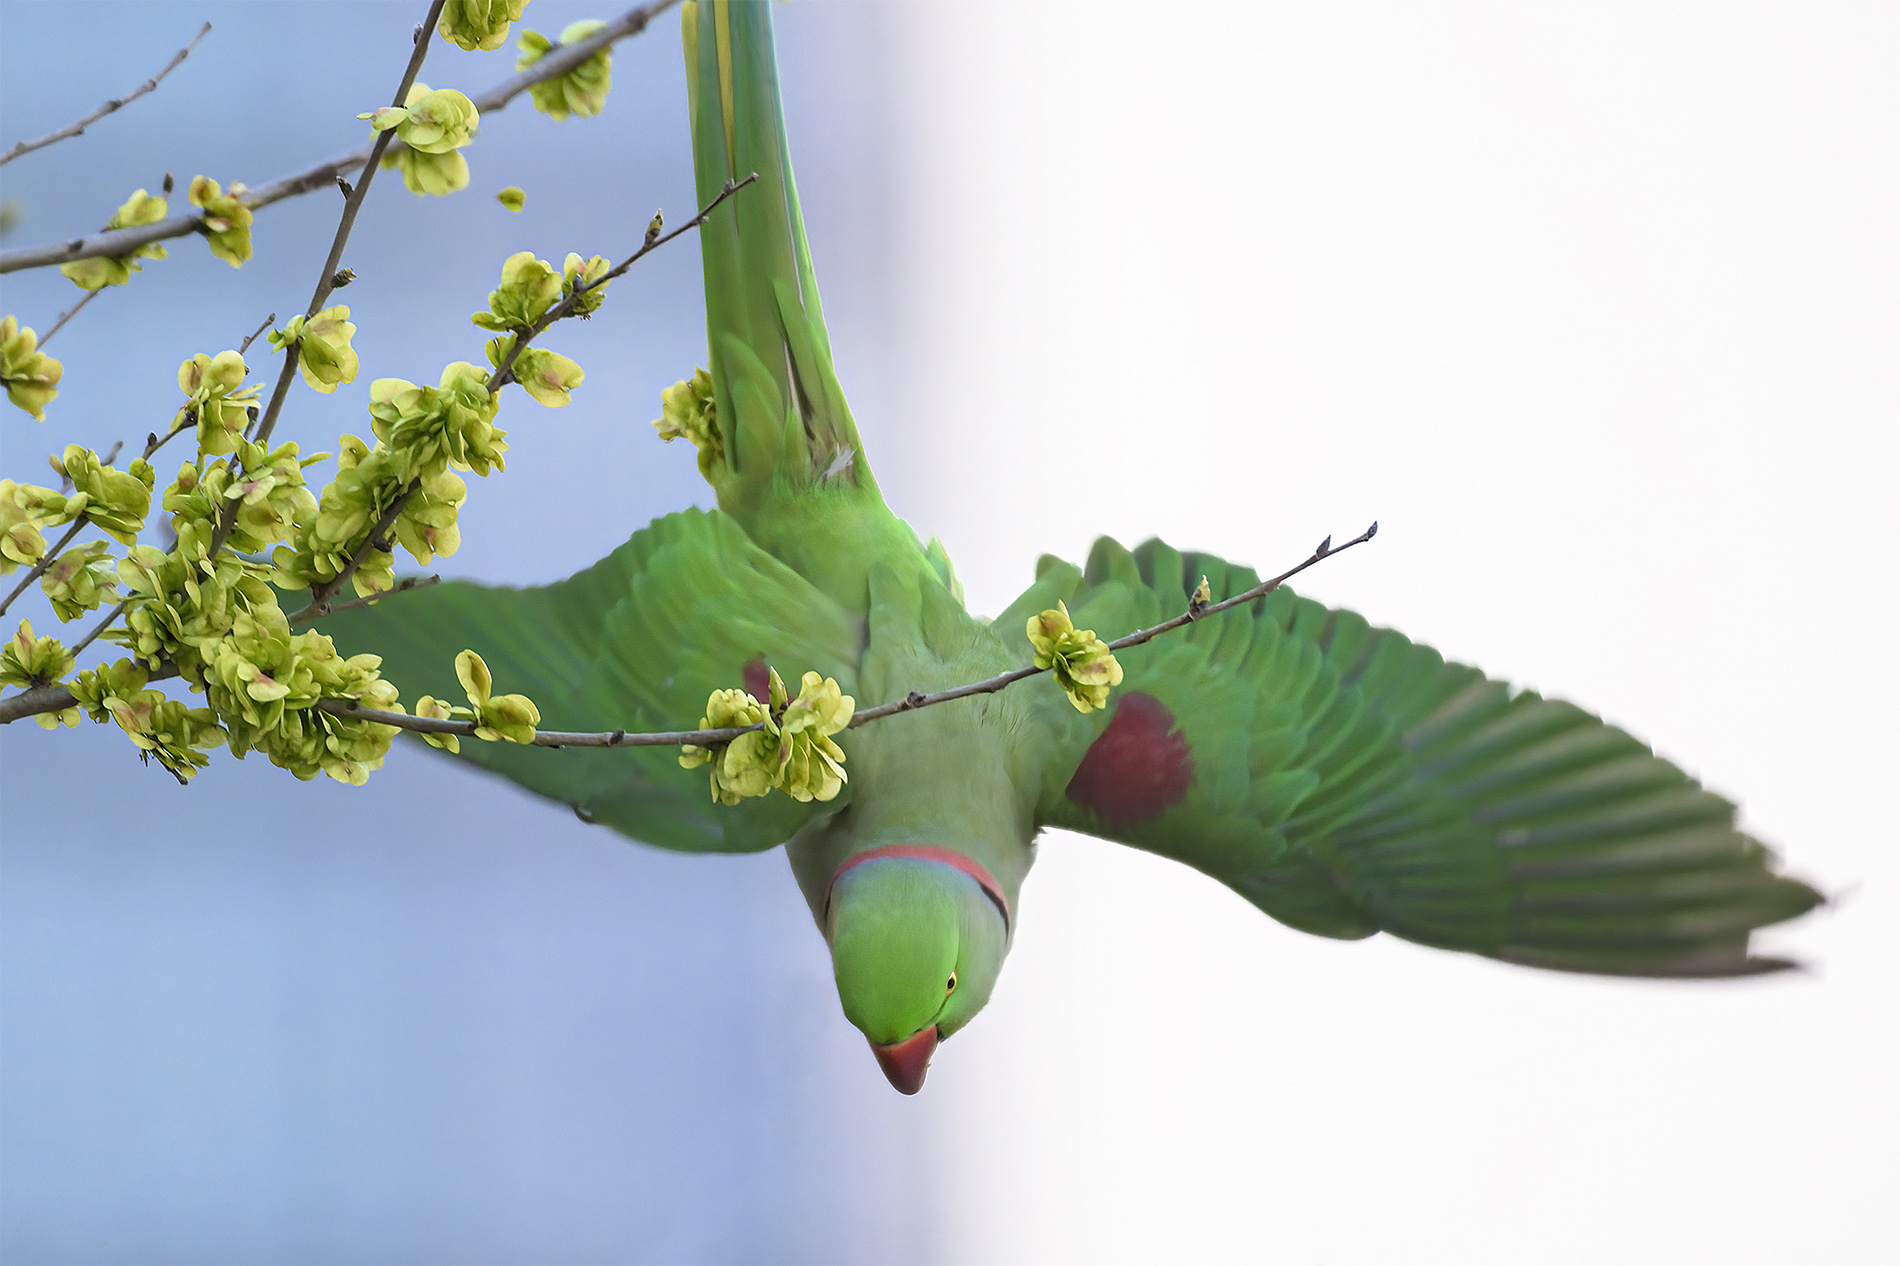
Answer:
(781, 411)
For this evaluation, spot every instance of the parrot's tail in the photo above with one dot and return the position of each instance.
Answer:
(782, 416)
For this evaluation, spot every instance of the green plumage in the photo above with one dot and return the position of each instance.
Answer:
(1341, 778)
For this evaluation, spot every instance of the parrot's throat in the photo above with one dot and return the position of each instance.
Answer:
(929, 853)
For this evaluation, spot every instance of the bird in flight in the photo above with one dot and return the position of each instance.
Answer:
(1342, 778)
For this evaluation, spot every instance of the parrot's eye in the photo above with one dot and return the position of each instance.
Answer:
(950, 985)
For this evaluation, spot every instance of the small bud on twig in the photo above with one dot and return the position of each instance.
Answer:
(168, 184)
(344, 185)
(654, 227)
(1325, 547)
(342, 277)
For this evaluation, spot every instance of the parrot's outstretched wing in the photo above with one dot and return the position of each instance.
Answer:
(1346, 781)
(635, 642)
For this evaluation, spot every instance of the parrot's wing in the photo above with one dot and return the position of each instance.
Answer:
(1346, 781)
(635, 642)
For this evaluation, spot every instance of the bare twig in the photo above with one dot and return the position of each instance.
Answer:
(251, 338)
(323, 175)
(101, 627)
(504, 372)
(914, 700)
(66, 316)
(326, 280)
(47, 559)
(310, 612)
(76, 129)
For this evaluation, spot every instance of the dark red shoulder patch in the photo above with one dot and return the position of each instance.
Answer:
(1139, 766)
(758, 681)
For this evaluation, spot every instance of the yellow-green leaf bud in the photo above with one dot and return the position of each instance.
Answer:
(479, 24)
(227, 220)
(80, 579)
(529, 287)
(688, 408)
(588, 277)
(31, 376)
(95, 273)
(582, 90)
(324, 356)
(513, 197)
(1082, 663)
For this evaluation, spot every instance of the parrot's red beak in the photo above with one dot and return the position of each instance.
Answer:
(906, 1062)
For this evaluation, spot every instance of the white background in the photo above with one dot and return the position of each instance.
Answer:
(1593, 308)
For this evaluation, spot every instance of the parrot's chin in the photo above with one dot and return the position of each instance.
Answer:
(906, 1062)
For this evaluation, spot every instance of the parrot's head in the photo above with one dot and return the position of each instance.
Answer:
(918, 935)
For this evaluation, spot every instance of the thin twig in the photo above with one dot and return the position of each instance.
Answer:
(310, 612)
(153, 443)
(914, 700)
(320, 595)
(100, 627)
(251, 338)
(68, 315)
(117, 103)
(323, 176)
(326, 280)
(47, 559)
(504, 372)
(542, 738)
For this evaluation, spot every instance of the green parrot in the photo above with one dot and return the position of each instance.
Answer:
(1343, 779)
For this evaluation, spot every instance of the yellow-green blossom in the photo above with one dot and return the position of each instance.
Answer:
(216, 399)
(114, 501)
(529, 287)
(586, 276)
(80, 579)
(432, 124)
(511, 717)
(479, 24)
(24, 510)
(451, 424)
(227, 220)
(745, 766)
(582, 90)
(547, 376)
(688, 408)
(442, 710)
(324, 356)
(97, 272)
(810, 764)
(31, 376)
(1082, 663)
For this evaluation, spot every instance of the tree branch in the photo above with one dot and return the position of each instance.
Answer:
(504, 372)
(49, 698)
(76, 129)
(125, 241)
(320, 595)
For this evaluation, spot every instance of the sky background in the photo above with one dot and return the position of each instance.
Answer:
(1593, 311)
